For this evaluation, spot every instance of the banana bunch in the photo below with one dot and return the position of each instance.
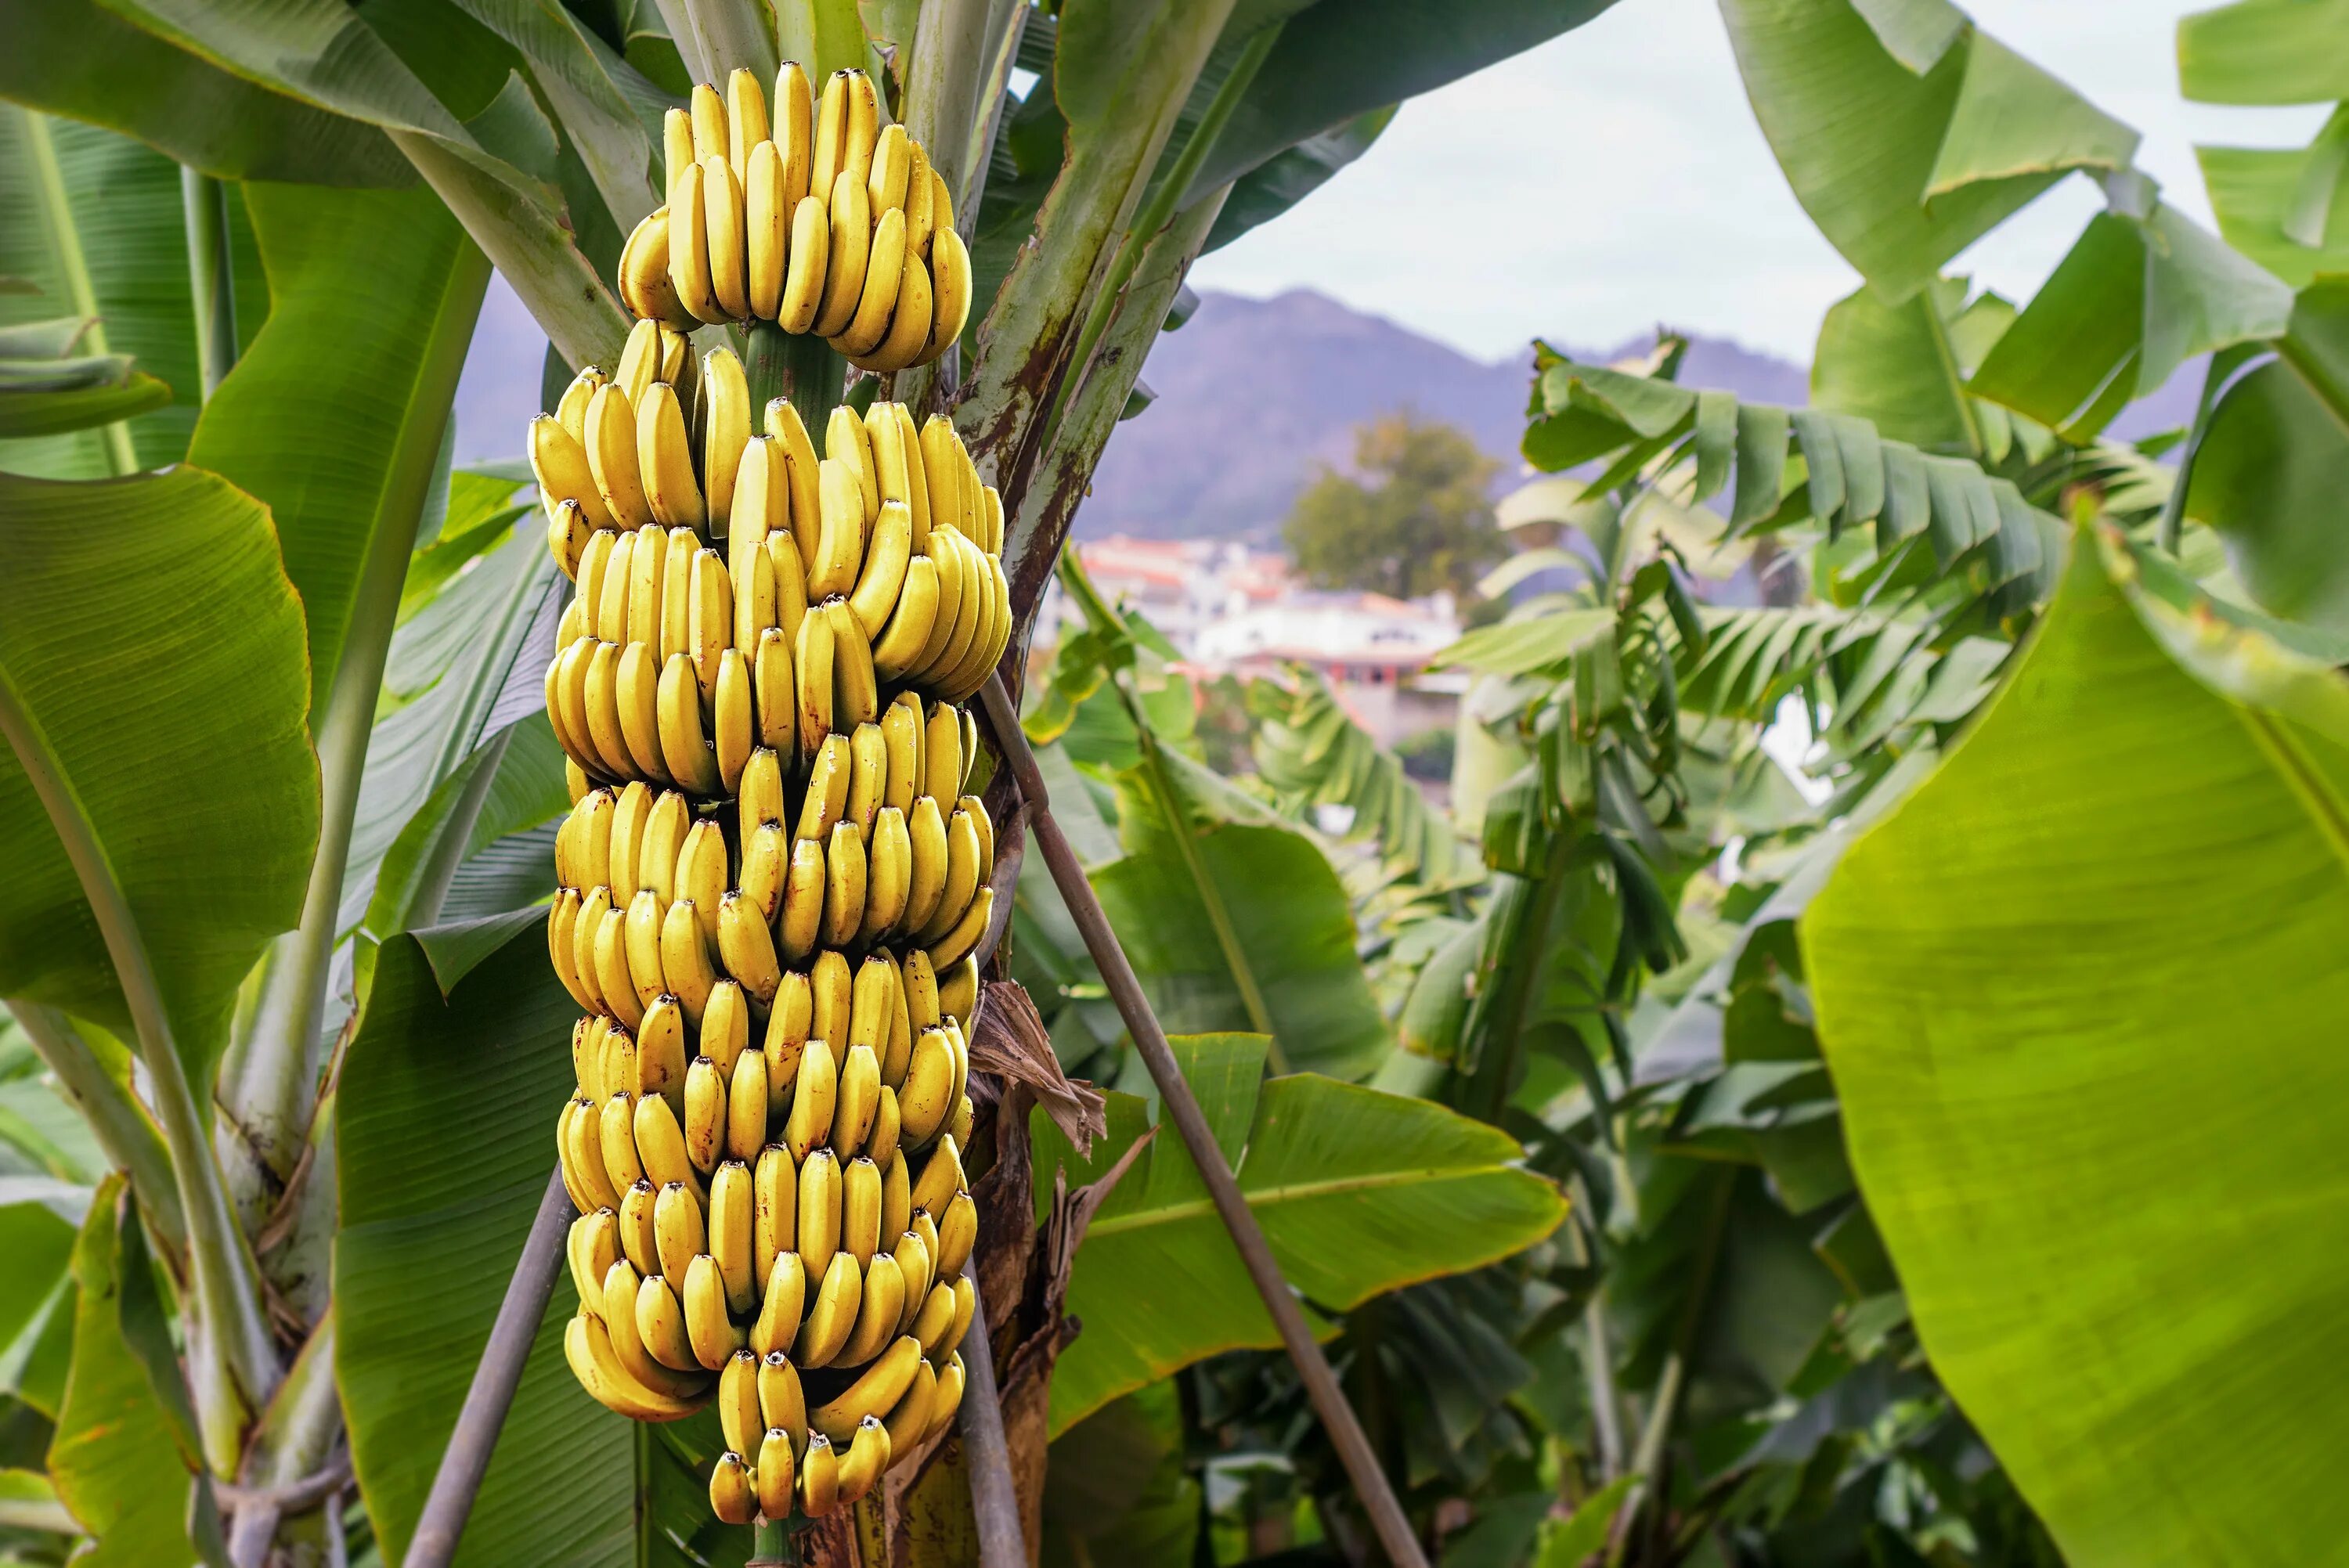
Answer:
(689, 647)
(821, 219)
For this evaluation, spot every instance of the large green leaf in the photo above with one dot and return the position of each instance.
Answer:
(77, 58)
(1358, 1192)
(113, 1460)
(2265, 52)
(147, 629)
(2272, 466)
(1903, 163)
(446, 1110)
(1902, 367)
(2106, 1164)
(2255, 191)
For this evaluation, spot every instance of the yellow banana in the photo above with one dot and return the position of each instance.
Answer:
(953, 946)
(730, 1235)
(876, 594)
(834, 994)
(701, 602)
(963, 871)
(685, 748)
(860, 1213)
(725, 427)
(746, 1106)
(774, 694)
(920, 209)
(746, 127)
(884, 271)
(647, 582)
(814, 680)
(660, 1144)
(787, 1036)
(959, 991)
(955, 589)
(618, 1295)
(964, 676)
(844, 886)
(921, 983)
(587, 1346)
(897, 649)
(901, 735)
(846, 440)
(919, 1270)
(630, 809)
(804, 276)
(897, 1200)
(818, 1478)
(851, 248)
(917, 485)
(775, 1206)
(639, 365)
(617, 575)
(615, 1134)
(776, 1472)
(949, 1399)
(709, 111)
(783, 1403)
(885, 185)
(714, 1334)
(809, 1121)
(616, 1072)
(936, 1319)
(789, 577)
(739, 1420)
(855, 685)
(638, 693)
(888, 1131)
(591, 1246)
(831, 132)
(570, 694)
(583, 1157)
(949, 293)
(820, 1194)
(660, 1324)
(965, 1306)
(688, 245)
(761, 800)
(587, 1057)
(908, 335)
(705, 1114)
(736, 729)
(832, 1317)
(726, 1028)
(957, 1231)
(964, 1118)
(868, 1003)
(721, 200)
(765, 856)
(677, 144)
(574, 747)
(561, 922)
(877, 1313)
(940, 1180)
(942, 466)
(665, 462)
(926, 1098)
(922, 1225)
(660, 1055)
(888, 875)
(840, 551)
(802, 922)
(968, 622)
(639, 1240)
(931, 854)
(863, 130)
(584, 930)
(732, 1496)
(868, 776)
(644, 278)
(909, 1421)
(759, 501)
(830, 777)
(601, 698)
(558, 461)
(801, 468)
(777, 1323)
(858, 1102)
(983, 826)
(876, 1391)
(961, 1045)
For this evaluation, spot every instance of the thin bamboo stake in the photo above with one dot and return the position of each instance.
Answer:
(1313, 1368)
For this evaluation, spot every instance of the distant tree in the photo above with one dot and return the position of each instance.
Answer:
(1414, 515)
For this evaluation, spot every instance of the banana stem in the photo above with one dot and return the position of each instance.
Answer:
(56, 210)
(734, 34)
(942, 84)
(802, 367)
(226, 1287)
(124, 1129)
(1007, 22)
(212, 276)
(1164, 203)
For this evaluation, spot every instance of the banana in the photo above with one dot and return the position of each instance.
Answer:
(783, 1403)
(855, 685)
(955, 589)
(587, 1056)
(688, 245)
(922, 1225)
(686, 749)
(759, 502)
(789, 577)
(746, 1106)
(831, 132)
(709, 111)
(983, 825)
(846, 439)
(884, 271)
(897, 1200)
(726, 1028)
(888, 1131)
(730, 1234)
(897, 649)
(736, 729)
(961, 1043)
(940, 1180)
(561, 922)
(833, 1316)
(969, 621)
(616, 1067)
(868, 776)
(722, 212)
(961, 887)
(787, 1035)
(921, 983)
(665, 462)
(733, 1497)
(660, 1144)
(874, 597)
(638, 689)
(860, 1214)
(819, 1210)
(869, 1002)
(885, 185)
(660, 1325)
(703, 600)
(920, 209)
(857, 1099)
(615, 1137)
(648, 584)
(660, 1054)
(575, 782)
(902, 737)
(960, 942)
(775, 1212)
(646, 287)
(779, 1306)
(909, 1420)
(567, 704)
(774, 694)
(617, 575)
(677, 144)
(934, 1321)
(931, 856)
(957, 1231)
(714, 1335)
(801, 918)
(830, 777)
(572, 624)
(920, 1272)
(889, 876)
(804, 277)
(964, 675)
(877, 1313)
(876, 1391)
(833, 1000)
(942, 466)
(851, 248)
(802, 467)
(637, 1236)
(558, 461)
(775, 1471)
(818, 1478)
(760, 802)
(966, 1306)
(926, 1097)
(660, 844)
(601, 698)
(863, 130)
(591, 1246)
(701, 863)
(618, 1297)
(587, 1346)
(959, 991)
(949, 1399)
(630, 809)
(584, 930)
(949, 292)
(843, 886)
(725, 427)
(746, 127)
(639, 365)
(840, 550)
(764, 860)
(739, 1420)
(965, 1116)
(808, 1123)
(705, 1114)
(912, 317)
(583, 1157)
(676, 362)
(814, 681)
(918, 484)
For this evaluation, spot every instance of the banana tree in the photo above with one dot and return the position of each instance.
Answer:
(287, 218)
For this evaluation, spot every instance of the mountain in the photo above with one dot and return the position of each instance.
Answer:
(1253, 395)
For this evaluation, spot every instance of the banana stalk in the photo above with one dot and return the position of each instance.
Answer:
(57, 217)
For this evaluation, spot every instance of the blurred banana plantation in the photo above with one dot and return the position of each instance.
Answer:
(1847, 1082)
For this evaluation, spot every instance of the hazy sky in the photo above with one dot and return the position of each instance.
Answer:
(1614, 178)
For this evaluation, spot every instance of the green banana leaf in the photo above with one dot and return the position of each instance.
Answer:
(175, 718)
(1902, 367)
(77, 58)
(2080, 996)
(446, 1114)
(1358, 1192)
(124, 204)
(1118, 1486)
(2264, 51)
(113, 1458)
(2269, 467)
(1907, 135)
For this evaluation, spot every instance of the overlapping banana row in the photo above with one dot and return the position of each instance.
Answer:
(821, 219)
(688, 646)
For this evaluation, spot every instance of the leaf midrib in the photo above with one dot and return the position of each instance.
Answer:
(1203, 1207)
